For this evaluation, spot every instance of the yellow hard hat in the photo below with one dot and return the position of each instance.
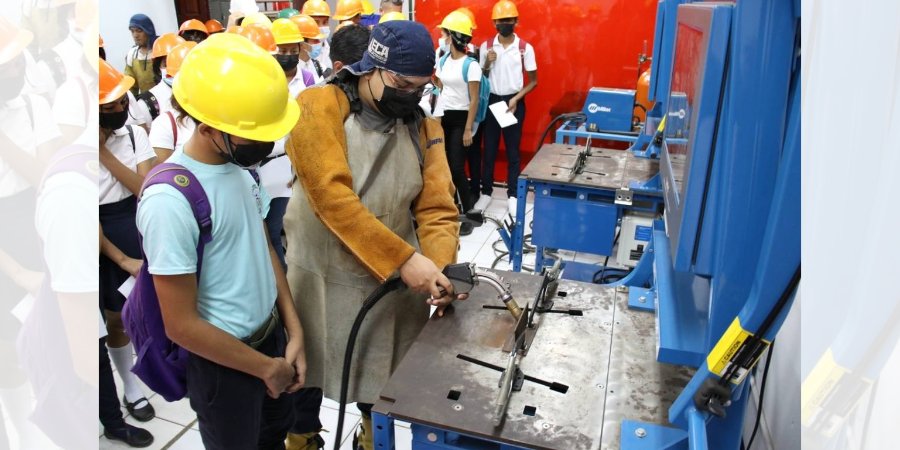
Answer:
(257, 18)
(393, 15)
(504, 9)
(347, 9)
(367, 8)
(458, 22)
(286, 32)
(236, 87)
(468, 12)
(316, 8)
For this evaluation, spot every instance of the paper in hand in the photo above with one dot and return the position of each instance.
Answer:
(503, 116)
(127, 286)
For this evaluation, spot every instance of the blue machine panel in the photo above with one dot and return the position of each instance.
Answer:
(609, 109)
(573, 218)
(701, 45)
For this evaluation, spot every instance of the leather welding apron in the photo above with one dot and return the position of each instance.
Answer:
(328, 283)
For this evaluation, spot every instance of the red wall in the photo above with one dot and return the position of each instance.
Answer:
(578, 44)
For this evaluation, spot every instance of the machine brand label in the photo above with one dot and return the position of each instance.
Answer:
(642, 233)
(594, 108)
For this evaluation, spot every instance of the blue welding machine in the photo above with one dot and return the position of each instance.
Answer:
(609, 109)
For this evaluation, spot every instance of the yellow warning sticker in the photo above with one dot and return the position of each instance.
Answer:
(733, 343)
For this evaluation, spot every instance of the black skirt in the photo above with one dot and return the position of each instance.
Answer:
(120, 227)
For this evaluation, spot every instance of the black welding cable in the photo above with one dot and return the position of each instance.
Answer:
(762, 393)
(371, 300)
(566, 116)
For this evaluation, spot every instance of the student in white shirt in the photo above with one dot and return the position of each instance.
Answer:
(460, 102)
(311, 58)
(503, 59)
(171, 128)
(125, 158)
(154, 102)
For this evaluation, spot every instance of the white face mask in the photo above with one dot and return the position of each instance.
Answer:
(444, 45)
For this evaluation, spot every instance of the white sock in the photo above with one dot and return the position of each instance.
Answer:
(123, 358)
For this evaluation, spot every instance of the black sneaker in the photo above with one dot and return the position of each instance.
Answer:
(131, 435)
(465, 228)
(142, 414)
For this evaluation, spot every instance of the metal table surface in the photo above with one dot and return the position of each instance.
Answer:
(605, 168)
(606, 357)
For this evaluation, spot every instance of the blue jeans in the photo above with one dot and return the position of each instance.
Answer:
(512, 137)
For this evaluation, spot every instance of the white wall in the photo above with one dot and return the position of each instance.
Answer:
(114, 16)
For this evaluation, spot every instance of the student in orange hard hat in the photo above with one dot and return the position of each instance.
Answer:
(312, 49)
(193, 30)
(172, 128)
(504, 58)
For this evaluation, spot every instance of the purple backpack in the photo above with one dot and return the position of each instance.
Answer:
(161, 364)
(308, 78)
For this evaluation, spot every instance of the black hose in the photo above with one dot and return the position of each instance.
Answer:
(566, 116)
(371, 300)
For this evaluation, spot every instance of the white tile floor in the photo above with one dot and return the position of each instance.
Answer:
(175, 426)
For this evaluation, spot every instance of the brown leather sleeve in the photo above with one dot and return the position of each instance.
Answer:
(434, 208)
(318, 151)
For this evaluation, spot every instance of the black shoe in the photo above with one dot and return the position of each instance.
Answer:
(131, 435)
(142, 414)
(465, 228)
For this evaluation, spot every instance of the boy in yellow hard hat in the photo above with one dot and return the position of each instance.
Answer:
(237, 320)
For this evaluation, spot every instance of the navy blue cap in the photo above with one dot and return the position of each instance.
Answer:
(400, 46)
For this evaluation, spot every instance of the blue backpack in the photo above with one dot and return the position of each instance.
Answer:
(484, 91)
(161, 364)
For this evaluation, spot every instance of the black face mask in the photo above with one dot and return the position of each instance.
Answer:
(505, 29)
(289, 61)
(394, 104)
(113, 120)
(246, 156)
(460, 41)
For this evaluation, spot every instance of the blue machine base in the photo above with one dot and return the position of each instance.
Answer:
(429, 438)
(641, 299)
(578, 271)
(646, 436)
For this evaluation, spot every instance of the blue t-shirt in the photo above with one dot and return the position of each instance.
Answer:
(237, 283)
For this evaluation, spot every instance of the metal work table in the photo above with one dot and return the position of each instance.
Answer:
(580, 211)
(605, 355)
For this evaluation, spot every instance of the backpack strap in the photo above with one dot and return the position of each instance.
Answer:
(308, 78)
(152, 103)
(184, 181)
(131, 136)
(522, 46)
(75, 158)
(317, 66)
(443, 60)
(174, 129)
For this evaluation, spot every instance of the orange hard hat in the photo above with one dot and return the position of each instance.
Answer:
(13, 40)
(113, 85)
(260, 35)
(317, 8)
(309, 29)
(347, 9)
(504, 9)
(164, 44)
(176, 57)
(236, 29)
(214, 26)
(469, 13)
(192, 24)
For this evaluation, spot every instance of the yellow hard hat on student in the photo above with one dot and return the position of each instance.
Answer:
(468, 12)
(393, 15)
(458, 22)
(504, 9)
(347, 9)
(286, 32)
(367, 8)
(316, 8)
(234, 86)
(257, 18)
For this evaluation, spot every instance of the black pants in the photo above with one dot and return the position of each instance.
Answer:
(110, 409)
(512, 137)
(307, 403)
(233, 408)
(454, 123)
(473, 157)
(275, 225)
(120, 227)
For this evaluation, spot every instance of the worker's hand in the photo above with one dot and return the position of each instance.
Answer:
(278, 377)
(295, 354)
(442, 304)
(422, 276)
(513, 102)
(467, 137)
(491, 57)
(131, 265)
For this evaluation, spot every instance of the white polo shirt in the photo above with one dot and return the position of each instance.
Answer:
(119, 144)
(277, 174)
(455, 94)
(163, 94)
(507, 76)
(163, 135)
(27, 133)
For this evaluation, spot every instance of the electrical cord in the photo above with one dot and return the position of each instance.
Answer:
(577, 115)
(762, 393)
